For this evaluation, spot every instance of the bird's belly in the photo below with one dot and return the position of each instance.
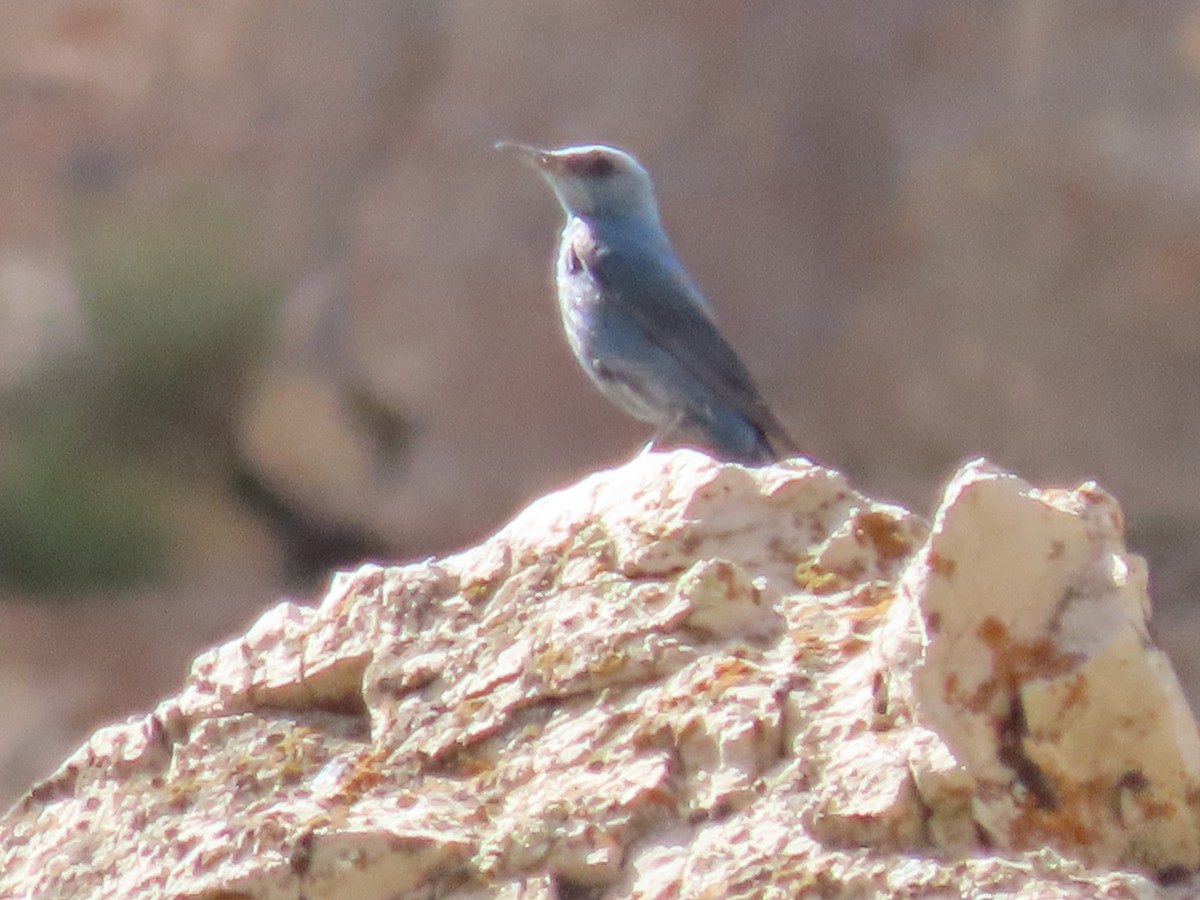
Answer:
(613, 352)
(584, 318)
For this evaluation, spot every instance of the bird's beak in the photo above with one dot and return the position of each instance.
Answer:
(532, 156)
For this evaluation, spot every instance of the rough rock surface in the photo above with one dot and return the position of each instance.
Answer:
(675, 678)
(1020, 635)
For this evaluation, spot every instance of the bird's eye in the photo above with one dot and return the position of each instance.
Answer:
(597, 166)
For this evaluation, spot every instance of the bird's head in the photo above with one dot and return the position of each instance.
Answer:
(593, 180)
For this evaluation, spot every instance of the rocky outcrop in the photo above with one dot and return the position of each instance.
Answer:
(675, 678)
(1020, 636)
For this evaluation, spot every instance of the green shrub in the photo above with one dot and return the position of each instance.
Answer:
(72, 520)
(178, 303)
(88, 454)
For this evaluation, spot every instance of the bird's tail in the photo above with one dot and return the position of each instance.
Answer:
(757, 439)
(774, 435)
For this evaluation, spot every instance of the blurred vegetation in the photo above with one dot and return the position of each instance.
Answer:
(177, 305)
(179, 310)
(73, 517)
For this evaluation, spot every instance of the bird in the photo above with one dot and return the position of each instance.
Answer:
(636, 322)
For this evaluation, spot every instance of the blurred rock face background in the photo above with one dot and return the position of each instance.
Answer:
(270, 303)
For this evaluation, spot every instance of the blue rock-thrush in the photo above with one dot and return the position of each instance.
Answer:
(636, 322)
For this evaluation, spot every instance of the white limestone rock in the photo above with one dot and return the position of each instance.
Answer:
(673, 679)
(1020, 636)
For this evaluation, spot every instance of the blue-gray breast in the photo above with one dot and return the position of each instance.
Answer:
(634, 319)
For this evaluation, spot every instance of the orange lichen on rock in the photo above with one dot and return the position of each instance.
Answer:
(633, 690)
(1035, 665)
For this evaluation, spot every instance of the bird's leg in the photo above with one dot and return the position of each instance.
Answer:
(665, 431)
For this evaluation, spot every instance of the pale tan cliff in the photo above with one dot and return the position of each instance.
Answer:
(674, 678)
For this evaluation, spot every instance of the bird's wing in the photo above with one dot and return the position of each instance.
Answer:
(672, 314)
